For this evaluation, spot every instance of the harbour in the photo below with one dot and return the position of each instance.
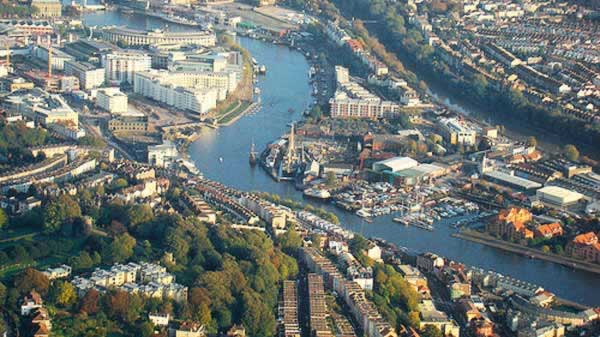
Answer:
(285, 86)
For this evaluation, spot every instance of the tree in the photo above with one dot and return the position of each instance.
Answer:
(60, 210)
(138, 214)
(290, 241)
(3, 219)
(2, 294)
(200, 301)
(118, 303)
(121, 248)
(431, 331)
(330, 178)
(571, 152)
(531, 141)
(32, 279)
(63, 293)
(435, 138)
(89, 303)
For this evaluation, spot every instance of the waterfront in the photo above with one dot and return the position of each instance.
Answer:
(286, 86)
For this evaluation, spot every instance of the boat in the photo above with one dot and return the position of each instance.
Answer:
(262, 69)
(363, 213)
(252, 156)
(317, 193)
(257, 90)
(221, 159)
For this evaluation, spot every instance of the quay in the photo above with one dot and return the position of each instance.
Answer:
(526, 251)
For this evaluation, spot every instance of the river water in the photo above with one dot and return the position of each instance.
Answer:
(286, 86)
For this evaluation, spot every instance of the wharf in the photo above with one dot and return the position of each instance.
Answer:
(530, 252)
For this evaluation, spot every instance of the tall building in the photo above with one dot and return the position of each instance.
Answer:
(193, 91)
(47, 8)
(351, 100)
(121, 66)
(112, 100)
(89, 75)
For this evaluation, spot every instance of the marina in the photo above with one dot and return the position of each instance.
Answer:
(286, 85)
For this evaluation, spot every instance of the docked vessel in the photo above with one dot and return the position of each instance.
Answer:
(317, 193)
(363, 213)
(252, 156)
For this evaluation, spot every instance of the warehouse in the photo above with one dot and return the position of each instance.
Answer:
(554, 196)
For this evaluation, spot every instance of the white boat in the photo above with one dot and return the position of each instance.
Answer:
(317, 193)
(221, 159)
(363, 213)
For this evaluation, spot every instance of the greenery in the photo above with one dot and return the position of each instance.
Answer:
(410, 45)
(395, 297)
(571, 152)
(16, 140)
(59, 211)
(14, 10)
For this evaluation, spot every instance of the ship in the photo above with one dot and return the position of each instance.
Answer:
(252, 156)
(317, 193)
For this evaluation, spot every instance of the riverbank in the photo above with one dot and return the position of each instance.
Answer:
(233, 115)
(526, 251)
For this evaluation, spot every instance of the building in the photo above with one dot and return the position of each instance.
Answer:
(159, 319)
(430, 315)
(47, 8)
(62, 271)
(89, 75)
(548, 231)
(555, 196)
(193, 91)
(58, 56)
(112, 100)
(510, 180)
(585, 246)
(351, 100)
(42, 107)
(458, 132)
(31, 302)
(27, 27)
(162, 154)
(413, 276)
(288, 310)
(11, 84)
(147, 279)
(121, 66)
(128, 123)
(394, 164)
(190, 329)
(134, 37)
(512, 224)
(428, 262)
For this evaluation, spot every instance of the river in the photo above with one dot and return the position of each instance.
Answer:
(286, 86)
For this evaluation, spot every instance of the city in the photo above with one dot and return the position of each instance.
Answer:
(299, 168)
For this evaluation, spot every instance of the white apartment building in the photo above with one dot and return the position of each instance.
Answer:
(160, 155)
(89, 75)
(197, 92)
(112, 100)
(121, 66)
